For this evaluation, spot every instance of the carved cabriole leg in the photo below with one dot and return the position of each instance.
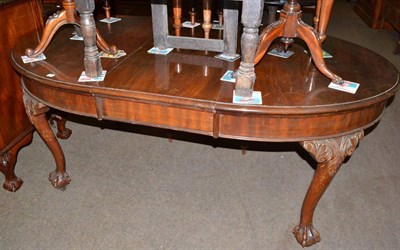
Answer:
(36, 112)
(251, 18)
(329, 153)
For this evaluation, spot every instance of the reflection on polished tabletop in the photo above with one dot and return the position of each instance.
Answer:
(183, 91)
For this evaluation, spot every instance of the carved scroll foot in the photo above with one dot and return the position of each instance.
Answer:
(329, 153)
(59, 180)
(104, 46)
(36, 112)
(306, 235)
(309, 35)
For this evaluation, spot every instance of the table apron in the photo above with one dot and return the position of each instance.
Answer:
(208, 120)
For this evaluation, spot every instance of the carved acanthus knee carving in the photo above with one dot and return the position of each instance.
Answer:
(32, 106)
(329, 153)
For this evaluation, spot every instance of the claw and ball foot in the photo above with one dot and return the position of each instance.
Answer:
(7, 163)
(8, 159)
(306, 235)
(62, 131)
(59, 180)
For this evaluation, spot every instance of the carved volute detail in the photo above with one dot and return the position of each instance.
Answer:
(332, 152)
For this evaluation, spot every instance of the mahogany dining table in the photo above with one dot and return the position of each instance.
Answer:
(182, 91)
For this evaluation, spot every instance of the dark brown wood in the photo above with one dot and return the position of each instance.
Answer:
(36, 112)
(251, 20)
(91, 60)
(62, 131)
(17, 18)
(330, 154)
(153, 90)
(67, 16)
(290, 26)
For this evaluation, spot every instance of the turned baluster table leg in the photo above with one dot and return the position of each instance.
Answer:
(192, 14)
(251, 19)
(36, 112)
(92, 59)
(207, 8)
(329, 153)
(107, 8)
(177, 12)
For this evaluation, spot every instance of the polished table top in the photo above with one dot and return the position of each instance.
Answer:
(191, 80)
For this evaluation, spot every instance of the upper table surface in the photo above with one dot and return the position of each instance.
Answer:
(193, 77)
(183, 90)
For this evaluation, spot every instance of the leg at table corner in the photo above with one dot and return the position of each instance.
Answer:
(62, 131)
(36, 112)
(329, 153)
